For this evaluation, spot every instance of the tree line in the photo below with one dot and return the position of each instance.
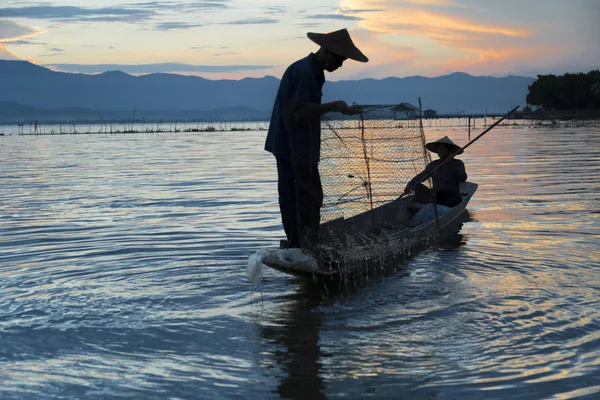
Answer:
(580, 91)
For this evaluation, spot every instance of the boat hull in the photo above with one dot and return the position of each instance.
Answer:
(389, 244)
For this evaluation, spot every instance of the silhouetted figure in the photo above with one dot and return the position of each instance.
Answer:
(294, 136)
(446, 179)
(294, 351)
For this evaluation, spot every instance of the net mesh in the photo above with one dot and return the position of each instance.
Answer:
(367, 159)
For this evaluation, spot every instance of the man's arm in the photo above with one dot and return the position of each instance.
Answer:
(422, 176)
(307, 110)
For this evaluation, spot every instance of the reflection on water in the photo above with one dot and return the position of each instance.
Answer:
(295, 328)
(122, 274)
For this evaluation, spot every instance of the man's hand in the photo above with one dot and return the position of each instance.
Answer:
(355, 109)
(340, 106)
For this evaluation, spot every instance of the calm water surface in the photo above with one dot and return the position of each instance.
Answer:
(122, 274)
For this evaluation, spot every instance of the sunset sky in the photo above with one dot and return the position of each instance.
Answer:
(238, 38)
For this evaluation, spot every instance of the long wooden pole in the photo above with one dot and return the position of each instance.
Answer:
(487, 130)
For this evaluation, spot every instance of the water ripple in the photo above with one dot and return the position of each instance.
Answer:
(122, 274)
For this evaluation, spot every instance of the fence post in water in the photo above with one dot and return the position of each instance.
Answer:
(485, 118)
(469, 128)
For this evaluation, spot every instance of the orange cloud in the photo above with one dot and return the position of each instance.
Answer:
(11, 31)
(482, 44)
(385, 59)
(503, 60)
(379, 51)
(6, 54)
(392, 17)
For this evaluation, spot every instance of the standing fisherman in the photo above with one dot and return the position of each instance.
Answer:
(294, 136)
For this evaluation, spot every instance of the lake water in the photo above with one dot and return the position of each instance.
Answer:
(122, 274)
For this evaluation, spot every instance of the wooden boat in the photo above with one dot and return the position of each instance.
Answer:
(363, 242)
(359, 244)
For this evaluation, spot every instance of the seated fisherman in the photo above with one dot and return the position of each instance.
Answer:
(446, 179)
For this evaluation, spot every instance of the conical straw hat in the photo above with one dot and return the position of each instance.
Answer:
(433, 146)
(338, 42)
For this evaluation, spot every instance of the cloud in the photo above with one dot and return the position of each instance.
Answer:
(78, 13)
(351, 11)
(11, 31)
(152, 5)
(479, 61)
(56, 49)
(334, 16)
(310, 24)
(400, 18)
(484, 40)
(478, 43)
(178, 6)
(5, 54)
(155, 68)
(252, 21)
(167, 26)
(385, 59)
(25, 42)
(277, 10)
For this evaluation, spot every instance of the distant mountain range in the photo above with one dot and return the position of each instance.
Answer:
(30, 91)
(13, 112)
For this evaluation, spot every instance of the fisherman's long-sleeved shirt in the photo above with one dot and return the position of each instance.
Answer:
(446, 178)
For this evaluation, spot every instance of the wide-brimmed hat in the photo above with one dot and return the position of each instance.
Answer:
(338, 42)
(433, 146)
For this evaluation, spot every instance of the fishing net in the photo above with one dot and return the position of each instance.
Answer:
(367, 159)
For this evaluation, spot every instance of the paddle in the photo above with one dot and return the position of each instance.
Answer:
(462, 149)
